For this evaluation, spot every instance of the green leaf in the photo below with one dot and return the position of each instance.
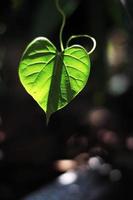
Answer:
(53, 78)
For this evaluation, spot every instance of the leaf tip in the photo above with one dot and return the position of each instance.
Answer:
(47, 118)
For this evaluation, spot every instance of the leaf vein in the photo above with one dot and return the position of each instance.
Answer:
(70, 66)
(75, 58)
(41, 52)
(44, 67)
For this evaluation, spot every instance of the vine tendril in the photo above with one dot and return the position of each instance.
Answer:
(87, 36)
(63, 23)
(73, 36)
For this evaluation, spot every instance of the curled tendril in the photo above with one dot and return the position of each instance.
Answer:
(74, 36)
(85, 36)
(63, 23)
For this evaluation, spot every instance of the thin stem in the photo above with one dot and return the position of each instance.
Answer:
(87, 36)
(63, 23)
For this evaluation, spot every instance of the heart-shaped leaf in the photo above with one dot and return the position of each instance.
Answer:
(53, 78)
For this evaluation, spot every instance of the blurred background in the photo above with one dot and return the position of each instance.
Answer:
(86, 151)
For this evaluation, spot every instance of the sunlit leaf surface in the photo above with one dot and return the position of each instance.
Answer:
(53, 78)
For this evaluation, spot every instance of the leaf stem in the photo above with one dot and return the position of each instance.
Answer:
(87, 36)
(63, 23)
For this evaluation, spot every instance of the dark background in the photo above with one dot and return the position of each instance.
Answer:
(97, 122)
